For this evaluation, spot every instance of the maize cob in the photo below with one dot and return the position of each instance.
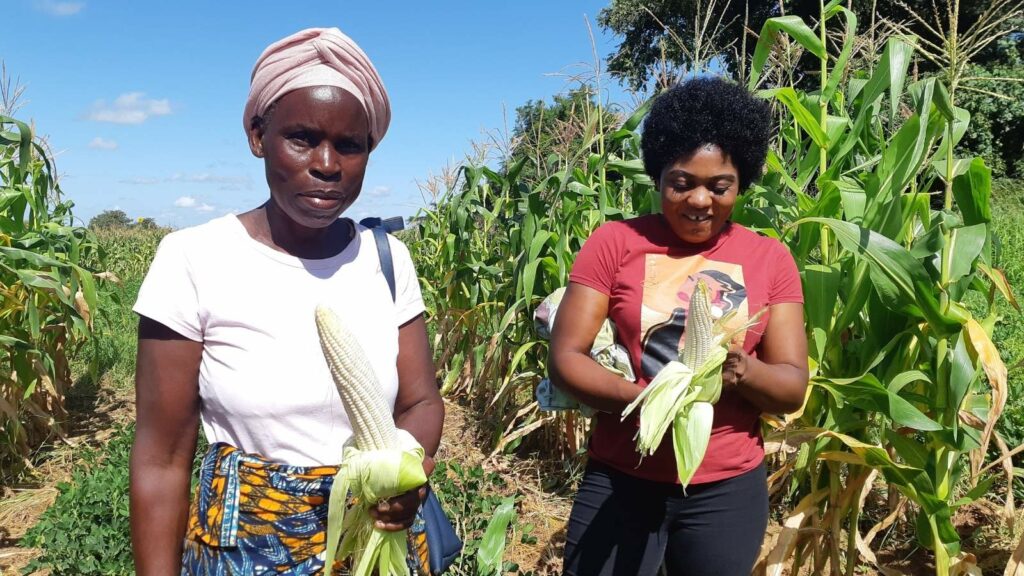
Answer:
(381, 460)
(698, 337)
(682, 393)
(372, 425)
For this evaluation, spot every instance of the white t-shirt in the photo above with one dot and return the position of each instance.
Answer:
(264, 385)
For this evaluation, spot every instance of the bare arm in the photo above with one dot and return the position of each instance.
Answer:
(777, 381)
(418, 410)
(570, 366)
(166, 430)
(418, 407)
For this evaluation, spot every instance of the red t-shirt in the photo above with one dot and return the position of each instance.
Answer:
(648, 275)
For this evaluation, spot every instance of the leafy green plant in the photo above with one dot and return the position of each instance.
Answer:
(86, 531)
(491, 551)
(475, 502)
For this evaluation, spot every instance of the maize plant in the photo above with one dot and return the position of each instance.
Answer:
(493, 247)
(907, 385)
(47, 296)
(380, 461)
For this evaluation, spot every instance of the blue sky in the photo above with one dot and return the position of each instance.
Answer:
(143, 100)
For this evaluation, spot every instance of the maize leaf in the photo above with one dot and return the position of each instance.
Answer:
(690, 436)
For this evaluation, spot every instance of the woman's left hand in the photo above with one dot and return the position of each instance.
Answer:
(399, 512)
(735, 367)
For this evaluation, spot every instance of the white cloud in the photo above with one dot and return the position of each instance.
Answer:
(129, 108)
(140, 181)
(103, 144)
(207, 178)
(223, 182)
(380, 191)
(205, 208)
(185, 202)
(56, 8)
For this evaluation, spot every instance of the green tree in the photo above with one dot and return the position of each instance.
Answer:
(997, 118)
(110, 219)
(662, 37)
(145, 224)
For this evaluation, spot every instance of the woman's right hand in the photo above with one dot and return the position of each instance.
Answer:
(166, 430)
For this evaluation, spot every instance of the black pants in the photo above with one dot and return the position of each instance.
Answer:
(626, 526)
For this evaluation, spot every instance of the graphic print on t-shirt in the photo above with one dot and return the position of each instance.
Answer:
(668, 283)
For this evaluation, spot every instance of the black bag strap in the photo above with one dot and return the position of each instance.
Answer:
(387, 265)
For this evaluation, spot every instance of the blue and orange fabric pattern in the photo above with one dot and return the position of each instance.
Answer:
(253, 516)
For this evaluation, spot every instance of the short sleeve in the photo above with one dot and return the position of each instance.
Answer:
(598, 261)
(786, 285)
(168, 293)
(408, 297)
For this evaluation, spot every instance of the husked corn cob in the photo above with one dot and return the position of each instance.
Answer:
(698, 338)
(373, 427)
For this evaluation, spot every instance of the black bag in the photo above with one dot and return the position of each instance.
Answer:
(443, 543)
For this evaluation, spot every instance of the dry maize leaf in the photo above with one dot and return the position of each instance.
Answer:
(971, 420)
(775, 478)
(965, 564)
(789, 441)
(868, 554)
(109, 277)
(786, 543)
(840, 456)
(1015, 567)
(887, 521)
(1008, 509)
(1000, 283)
(793, 417)
(83, 308)
(985, 351)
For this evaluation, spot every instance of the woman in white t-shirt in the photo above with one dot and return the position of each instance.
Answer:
(227, 336)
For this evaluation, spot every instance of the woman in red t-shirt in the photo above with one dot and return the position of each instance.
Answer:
(703, 143)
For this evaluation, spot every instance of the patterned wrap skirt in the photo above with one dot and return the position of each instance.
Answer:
(253, 516)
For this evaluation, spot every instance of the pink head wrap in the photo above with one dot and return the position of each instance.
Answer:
(318, 57)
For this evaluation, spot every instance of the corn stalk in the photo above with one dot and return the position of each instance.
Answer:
(897, 358)
(47, 296)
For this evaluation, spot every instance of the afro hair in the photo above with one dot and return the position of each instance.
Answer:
(705, 111)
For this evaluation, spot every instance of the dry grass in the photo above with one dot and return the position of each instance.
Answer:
(547, 512)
